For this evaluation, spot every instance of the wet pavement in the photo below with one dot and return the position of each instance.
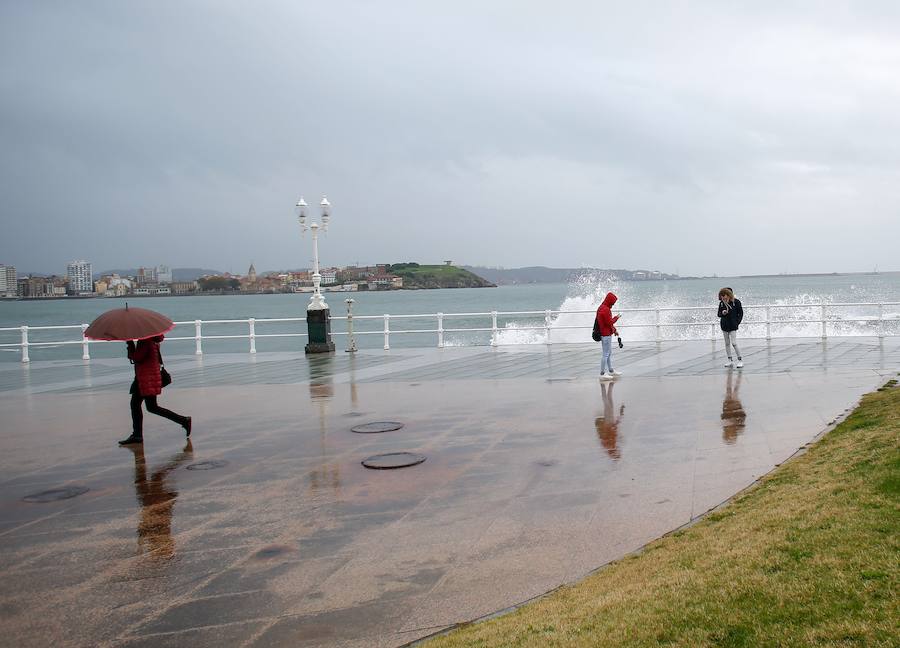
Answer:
(267, 530)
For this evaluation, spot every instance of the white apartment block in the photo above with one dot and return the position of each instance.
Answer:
(8, 281)
(81, 277)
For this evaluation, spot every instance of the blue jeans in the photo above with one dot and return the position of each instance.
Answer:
(606, 360)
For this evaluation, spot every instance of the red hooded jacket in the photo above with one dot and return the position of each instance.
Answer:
(605, 319)
(145, 357)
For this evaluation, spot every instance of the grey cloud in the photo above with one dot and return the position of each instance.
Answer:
(507, 133)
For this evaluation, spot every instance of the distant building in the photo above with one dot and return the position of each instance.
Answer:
(80, 277)
(163, 274)
(251, 274)
(183, 287)
(329, 277)
(120, 284)
(385, 282)
(9, 281)
(42, 286)
(152, 289)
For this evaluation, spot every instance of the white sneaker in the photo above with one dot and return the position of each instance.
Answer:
(729, 364)
(615, 374)
(604, 376)
(740, 363)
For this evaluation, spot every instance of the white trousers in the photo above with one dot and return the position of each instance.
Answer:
(731, 338)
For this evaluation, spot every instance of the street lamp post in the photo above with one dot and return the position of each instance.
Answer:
(318, 317)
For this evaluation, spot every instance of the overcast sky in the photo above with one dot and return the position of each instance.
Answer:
(699, 138)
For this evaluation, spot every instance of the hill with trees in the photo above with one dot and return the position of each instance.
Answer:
(416, 276)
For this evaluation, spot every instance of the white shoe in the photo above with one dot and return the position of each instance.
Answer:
(740, 363)
(604, 376)
(615, 374)
(729, 364)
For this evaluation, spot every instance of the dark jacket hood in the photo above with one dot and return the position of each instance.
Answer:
(610, 299)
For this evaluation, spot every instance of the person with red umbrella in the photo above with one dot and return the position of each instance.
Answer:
(146, 327)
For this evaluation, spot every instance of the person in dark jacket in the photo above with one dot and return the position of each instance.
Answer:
(607, 324)
(730, 315)
(146, 387)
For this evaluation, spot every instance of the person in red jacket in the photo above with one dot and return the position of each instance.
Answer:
(607, 324)
(146, 387)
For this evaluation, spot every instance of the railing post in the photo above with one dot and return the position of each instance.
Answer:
(198, 336)
(440, 317)
(25, 357)
(824, 327)
(85, 352)
(351, 341)
(252, 323)
(712, 336)
(658, 328)
(768, 324)
(881, 321)
(493, 328)
(547, 326)
(387, 332)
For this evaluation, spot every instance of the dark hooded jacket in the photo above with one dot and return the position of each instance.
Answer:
(605, 319)
(730, 315)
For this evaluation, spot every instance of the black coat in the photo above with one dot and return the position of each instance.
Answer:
(730, 315)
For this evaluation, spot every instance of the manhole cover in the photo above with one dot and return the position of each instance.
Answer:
(393, 460)
(272, 551)
(56, 494)
(546, 462)
(354, 414)
(376, 427)
(212, 464)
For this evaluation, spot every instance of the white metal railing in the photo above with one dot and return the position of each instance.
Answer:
(545, 323)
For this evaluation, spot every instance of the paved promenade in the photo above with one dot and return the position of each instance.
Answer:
(267, 531)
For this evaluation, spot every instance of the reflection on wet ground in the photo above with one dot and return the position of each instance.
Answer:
(156, 496)
(535, 475)
(608, 424)
(733, 415)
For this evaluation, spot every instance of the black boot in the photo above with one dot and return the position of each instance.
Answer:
(132, 440)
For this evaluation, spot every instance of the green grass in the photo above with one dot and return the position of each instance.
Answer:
(437, 276)
(807, 558)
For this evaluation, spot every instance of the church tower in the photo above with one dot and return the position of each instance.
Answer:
(251, 274)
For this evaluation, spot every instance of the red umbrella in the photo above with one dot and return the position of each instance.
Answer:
(128, 324)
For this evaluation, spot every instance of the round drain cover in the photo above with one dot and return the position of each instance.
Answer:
(272, 551)
(393, 460)
(212, 464)
(378, 426)
(56, 494)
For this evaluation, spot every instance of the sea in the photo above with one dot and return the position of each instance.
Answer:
(684, 309)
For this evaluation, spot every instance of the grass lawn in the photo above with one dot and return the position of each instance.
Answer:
(807, 558)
